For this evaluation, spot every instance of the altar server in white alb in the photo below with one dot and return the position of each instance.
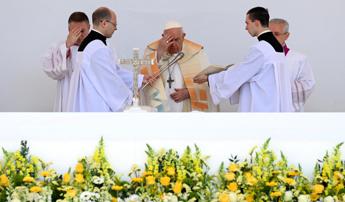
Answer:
(301, 74)
(259, 83)
(98, 83)
(60, 60)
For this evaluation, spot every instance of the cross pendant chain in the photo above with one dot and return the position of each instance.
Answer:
(170, 81)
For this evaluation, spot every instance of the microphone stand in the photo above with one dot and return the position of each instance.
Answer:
(178, 57)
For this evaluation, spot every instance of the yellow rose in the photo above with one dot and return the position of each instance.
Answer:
(318, 188)
(339, 187)
(271, 184)
(117, 188)
(337, 176)
(293, 173)
(233, 167)
(71, 193)
(177, 187)
(28, 179)
(137, 179)
(4, 182)
(45, 174)
(79, 168)
(150, 180)
(66, 178)
(276, 194)
(289, 181)
(79, 178)
(314, 196)
(250, 198)
(35, 189)
(146, 173)
(224, 197)
(232, 187)
(230, 176)
(165, 181)
(171, 171)
(114, 199)
(250, 179)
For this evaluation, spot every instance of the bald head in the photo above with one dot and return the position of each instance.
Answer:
(104, 21)
(101, 14)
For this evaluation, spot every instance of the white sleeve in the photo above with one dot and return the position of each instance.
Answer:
(225, 84)
(55, 63)
(107, 81)
(304, 83)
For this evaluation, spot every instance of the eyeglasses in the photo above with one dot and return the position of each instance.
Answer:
(115, 26)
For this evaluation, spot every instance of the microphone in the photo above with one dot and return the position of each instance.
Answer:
(178, 57)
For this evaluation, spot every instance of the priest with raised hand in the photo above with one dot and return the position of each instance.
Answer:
(260, 83)
(174, 90)
(98, 83)
(60, 61)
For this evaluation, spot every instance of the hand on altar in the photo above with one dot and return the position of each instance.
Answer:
(149, 79)
(73, 36)
(180, 94)
(164, 43)
(200, 79)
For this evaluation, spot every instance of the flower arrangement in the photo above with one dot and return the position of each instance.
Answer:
(328, 183)
(167, 176)
(24, 177)
(170, 177)
(91, 181)
(261, 177)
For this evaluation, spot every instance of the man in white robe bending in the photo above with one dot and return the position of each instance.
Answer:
(301, 74)
(259, 83)
(98, 84)
(60, 60)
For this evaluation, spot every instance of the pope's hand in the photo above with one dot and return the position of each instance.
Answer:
(180, 94)
(163, 46)
(200, 79)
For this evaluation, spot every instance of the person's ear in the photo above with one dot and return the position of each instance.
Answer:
(287, 35)
(184, 35)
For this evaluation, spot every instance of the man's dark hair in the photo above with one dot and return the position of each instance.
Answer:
(100, 14)
(261, 14)
(78, 17)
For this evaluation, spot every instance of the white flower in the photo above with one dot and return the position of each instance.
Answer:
(133, 198)
(170, 198)
(328, 199)
(233, 197)
(15, 200)
(97, 180)
(344, 197)
(304, 198)
(288, 196)
(85, 196)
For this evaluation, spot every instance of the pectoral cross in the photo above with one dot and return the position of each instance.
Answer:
(170, 81)
(137, 63)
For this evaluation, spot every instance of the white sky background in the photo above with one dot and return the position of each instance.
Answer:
(64, 138)
(28, 28)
